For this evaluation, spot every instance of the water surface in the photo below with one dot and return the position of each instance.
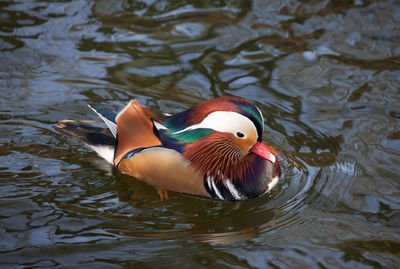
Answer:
(326, 75)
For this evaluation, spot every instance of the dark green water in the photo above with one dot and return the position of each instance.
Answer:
(326, 75)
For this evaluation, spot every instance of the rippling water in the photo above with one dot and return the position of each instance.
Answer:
(326, 75)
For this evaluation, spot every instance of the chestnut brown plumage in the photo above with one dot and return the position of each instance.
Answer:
(219, 157)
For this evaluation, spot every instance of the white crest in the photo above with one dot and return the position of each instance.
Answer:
(224, 121)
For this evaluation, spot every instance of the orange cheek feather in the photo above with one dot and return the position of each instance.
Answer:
(244, 144)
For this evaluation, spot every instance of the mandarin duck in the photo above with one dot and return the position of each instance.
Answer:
(213, 149)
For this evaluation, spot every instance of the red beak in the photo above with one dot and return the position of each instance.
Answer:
(261, 150)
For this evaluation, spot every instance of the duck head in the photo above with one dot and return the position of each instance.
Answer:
(222, 138)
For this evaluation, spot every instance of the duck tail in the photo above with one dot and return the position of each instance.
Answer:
(99, 139)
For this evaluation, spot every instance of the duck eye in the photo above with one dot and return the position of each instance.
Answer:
(240, 134)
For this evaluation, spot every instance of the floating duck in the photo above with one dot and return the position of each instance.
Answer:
(213, 149)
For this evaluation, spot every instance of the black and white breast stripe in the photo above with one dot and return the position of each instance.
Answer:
(225, 190)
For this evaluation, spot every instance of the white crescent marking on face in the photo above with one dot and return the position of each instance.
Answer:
(224, 121)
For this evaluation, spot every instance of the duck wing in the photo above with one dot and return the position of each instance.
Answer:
(135, 130)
